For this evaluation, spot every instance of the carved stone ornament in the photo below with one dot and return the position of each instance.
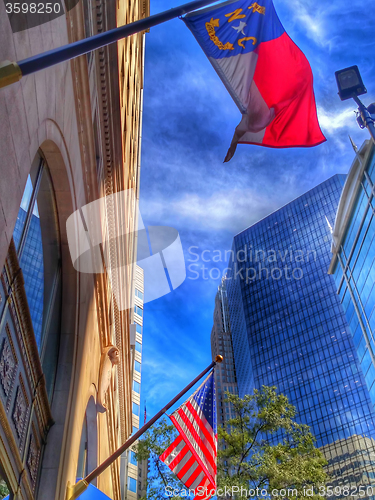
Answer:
(33, 459)
(19, 412)
(110, 358)
(7, 367)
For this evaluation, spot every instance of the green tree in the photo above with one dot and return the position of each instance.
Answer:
(248, 459)
(4, 492)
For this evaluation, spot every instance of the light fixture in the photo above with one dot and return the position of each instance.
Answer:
(349, 83)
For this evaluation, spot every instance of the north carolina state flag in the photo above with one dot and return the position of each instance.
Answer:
(267, 75)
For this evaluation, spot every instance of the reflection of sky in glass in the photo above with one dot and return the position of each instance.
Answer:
(27, 196)
(33, 273)
(31, 259)
(21, 218)
(357, 255)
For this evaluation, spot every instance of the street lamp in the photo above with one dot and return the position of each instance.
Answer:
(350, 85)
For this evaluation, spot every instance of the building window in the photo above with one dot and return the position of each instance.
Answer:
(138, 311)
(138, 346)
(37, 239)
(82, 466)
(137, 366)
(132, 458)
(135, 429)
(138, 294)
(136, 409)
(136, 387)
(138, 329)
(132, 484)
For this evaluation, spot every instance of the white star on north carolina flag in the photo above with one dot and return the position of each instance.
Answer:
(240, 27)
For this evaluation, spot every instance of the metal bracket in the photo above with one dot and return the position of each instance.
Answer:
(75, 490)
(10, 73)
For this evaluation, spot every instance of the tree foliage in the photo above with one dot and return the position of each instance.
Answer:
(4, 492)
(261, 447)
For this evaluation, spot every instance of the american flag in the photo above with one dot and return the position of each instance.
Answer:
(192, 456)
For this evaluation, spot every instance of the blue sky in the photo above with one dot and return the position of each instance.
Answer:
(188, 123)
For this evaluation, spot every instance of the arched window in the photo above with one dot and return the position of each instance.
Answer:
(82, 466)
(88, 448)
(37, 240)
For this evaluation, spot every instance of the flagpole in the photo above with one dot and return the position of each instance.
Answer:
(73, 491)
(11, 72)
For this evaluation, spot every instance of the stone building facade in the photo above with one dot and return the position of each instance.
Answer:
(69, 135)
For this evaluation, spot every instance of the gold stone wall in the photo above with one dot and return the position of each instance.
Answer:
(82, 119)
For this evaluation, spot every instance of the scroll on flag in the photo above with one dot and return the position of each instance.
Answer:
(192, 456)
(267, 75)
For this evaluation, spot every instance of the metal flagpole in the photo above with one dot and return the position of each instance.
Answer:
(73, 491)
(11, 72)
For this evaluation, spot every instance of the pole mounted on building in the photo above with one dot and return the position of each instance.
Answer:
(350, 86)
(11, 72)
(74, 491)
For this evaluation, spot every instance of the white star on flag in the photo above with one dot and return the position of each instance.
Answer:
(240, 27)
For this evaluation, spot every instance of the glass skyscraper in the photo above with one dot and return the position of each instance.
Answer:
(289, 330)
(221, 343)
(353, 262)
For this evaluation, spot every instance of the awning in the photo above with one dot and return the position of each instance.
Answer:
(93, 493)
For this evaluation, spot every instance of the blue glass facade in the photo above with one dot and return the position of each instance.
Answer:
(289, 329)
(32, 269)
(354, 271)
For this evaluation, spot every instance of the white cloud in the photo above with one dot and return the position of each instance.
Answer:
(331, 121)
(232, 209)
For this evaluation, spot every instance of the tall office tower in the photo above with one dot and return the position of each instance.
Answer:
(289, 329)
(134, 472)
(221, 343)
(353, 261)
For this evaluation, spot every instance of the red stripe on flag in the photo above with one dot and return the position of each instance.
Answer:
(192, 449)
(179, 457)
(209, 456)
(194, 476)
(186, 467)
(290, 92)
(204, 429)
(169, 450)
(206, 486)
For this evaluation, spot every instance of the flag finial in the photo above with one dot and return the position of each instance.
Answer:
(353, 145)
(219, 358)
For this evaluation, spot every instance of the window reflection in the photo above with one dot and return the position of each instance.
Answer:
(37, 240)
